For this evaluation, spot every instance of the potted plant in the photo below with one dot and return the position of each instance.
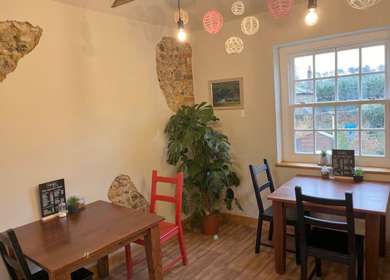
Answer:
(358, 175)
(324, 158)
(74, 204)
(203, 154)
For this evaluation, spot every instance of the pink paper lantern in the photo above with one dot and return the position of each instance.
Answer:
(213, 22)
(280, 8)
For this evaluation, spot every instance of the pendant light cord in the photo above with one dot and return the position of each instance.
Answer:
(179, 6)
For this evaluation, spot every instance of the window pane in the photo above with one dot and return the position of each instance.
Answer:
(324, 118)
(373, 116)
(348, 62)
(303, 67)
(373, 86)
(304, 92)
(373, 143)
(325, 65)
(348, 140)
(304, 142)
(325, 90)
(303, 118)
(373, 59)
(347, 117)
(348, 88)
(324, 141)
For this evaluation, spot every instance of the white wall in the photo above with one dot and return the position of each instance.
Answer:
(252, 131)
(85, 105)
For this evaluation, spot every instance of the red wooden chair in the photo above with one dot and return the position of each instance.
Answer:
(167, 230)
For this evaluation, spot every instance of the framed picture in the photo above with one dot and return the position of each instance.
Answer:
(227, 94)
(343, 162)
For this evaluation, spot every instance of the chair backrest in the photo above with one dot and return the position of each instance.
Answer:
(177, 199)
(305, 218)
(255, 170)
(13, 256)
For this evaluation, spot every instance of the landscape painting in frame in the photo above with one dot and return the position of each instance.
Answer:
(227, 94)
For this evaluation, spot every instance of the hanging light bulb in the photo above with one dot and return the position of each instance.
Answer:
(181, 33)
(311, 17)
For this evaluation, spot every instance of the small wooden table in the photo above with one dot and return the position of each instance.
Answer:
(370, 201)
(63, 245)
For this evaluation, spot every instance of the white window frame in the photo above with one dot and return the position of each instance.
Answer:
(284, 90)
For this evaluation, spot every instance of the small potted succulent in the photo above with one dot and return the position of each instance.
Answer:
(358, 175)
(324, 158)
(74, 204)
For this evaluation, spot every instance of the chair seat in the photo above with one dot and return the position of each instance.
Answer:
(331, 240)
(291, 215)
(41, 275)
(166, 231)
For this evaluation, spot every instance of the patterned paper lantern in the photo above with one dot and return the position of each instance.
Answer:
(238, 8)
(280, 8)
(362, 4)
(184, 16)
(234, 45)
(213, 22)
(250, 25)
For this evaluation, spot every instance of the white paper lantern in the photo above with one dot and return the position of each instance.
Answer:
(234, 45)
(184, 16)
(238, 8)
(362, 4)
(250, 25)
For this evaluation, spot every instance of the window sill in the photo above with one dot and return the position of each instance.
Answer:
(313, 166)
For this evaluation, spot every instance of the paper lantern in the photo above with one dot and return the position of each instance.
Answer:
(184, 16)
(238, 8)
(234, 45)
(213, 22)
(280, 8)
(250, 25)
(362, 4)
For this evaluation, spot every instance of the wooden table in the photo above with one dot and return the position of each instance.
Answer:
(370, 201)
(63, 245)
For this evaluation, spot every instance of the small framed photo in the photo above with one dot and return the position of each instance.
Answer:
(227, 94)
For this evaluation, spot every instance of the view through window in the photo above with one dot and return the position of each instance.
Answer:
(339, 100)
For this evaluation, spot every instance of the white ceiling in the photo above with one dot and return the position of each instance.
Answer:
(161, 11)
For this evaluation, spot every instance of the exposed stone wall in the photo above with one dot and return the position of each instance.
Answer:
(16, 40)
(124, 193)
(174, 71)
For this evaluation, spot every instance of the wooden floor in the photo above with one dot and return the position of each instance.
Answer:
(230, 257)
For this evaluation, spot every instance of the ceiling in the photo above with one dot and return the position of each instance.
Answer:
(161, 11)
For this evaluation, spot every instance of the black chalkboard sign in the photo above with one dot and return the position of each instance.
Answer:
(343, 162)
(51, 195)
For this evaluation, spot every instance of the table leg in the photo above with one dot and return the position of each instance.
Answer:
(279, 238)
(382, 242)
(153, 253)
(103, 267)
(372, 246)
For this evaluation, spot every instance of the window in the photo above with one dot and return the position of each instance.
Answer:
(332, 93)
(339, 100)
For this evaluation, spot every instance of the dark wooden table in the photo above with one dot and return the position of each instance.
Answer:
(63, 245)
(370, 201)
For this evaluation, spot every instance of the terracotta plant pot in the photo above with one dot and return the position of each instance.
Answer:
(211, 224)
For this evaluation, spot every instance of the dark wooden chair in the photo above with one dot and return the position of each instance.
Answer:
(327, 239)
(17, 265)
(266, 214)
(14, 259)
